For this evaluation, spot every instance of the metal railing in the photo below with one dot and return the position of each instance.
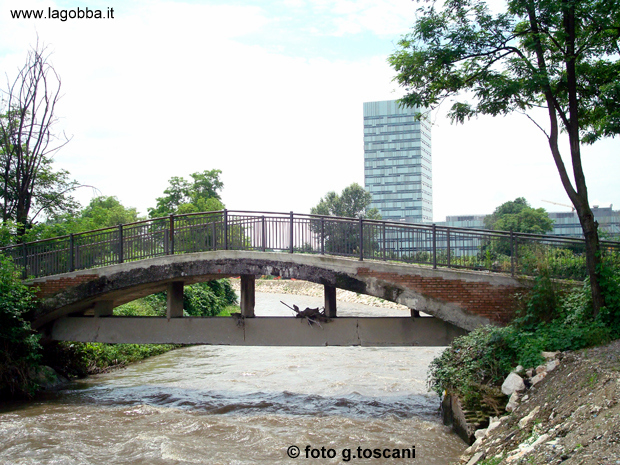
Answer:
(426, 244)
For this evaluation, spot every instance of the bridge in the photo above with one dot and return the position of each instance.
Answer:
(447, 273)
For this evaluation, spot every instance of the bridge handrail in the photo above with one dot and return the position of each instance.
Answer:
(430, 244)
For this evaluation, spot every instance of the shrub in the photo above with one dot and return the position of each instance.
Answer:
(19, 345)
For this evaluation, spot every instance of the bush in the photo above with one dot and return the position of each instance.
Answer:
(79, 359)
(19, 344)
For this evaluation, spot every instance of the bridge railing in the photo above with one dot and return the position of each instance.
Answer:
(426, 244)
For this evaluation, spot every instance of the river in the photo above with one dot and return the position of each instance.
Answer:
(242, 405)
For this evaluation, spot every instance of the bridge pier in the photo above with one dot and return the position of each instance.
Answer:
(330, 300)
(248, 295)
(174, 301)
(104, 308)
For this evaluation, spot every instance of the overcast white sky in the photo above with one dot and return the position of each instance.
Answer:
(271, 93)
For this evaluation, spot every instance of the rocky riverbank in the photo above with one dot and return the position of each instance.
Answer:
(568, 413)
(292, 286)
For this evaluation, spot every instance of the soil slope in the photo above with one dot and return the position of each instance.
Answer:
(571, 417)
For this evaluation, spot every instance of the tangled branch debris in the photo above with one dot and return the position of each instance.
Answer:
(312, 315)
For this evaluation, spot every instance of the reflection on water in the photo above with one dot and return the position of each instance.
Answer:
(239, 405)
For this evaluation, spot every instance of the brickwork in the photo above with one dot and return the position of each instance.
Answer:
(50, 287)
(497, 303)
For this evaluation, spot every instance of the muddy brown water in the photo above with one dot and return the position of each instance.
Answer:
(242, 405)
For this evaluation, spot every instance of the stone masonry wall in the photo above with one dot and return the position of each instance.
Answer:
(50, 287)
(497, 303)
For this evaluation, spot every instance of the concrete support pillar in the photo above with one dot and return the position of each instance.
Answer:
(330, 300)
(175, 300)
(104, 308)
(248, 295)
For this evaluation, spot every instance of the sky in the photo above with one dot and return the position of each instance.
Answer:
(271, 93)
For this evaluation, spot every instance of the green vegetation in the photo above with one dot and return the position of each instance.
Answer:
(181, 196)
(518, 216)
(353, 202)
(532, 54)
(19, 345)
(553, 317)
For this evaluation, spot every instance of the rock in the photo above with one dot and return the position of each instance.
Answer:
(552, 365)
(523, 422)
(550, 355)
(529, 372)
(519, 369)
(512, 383)
(512, 402)
(541, 368)
(538, 378)
(476, 458)
(493, 424)
(47, 378)
(481, 433)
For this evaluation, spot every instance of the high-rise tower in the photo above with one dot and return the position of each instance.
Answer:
(397, 162)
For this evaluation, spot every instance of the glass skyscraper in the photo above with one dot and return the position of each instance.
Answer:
(397, 162)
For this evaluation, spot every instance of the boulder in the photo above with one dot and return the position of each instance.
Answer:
(513, 402)
(512, 383)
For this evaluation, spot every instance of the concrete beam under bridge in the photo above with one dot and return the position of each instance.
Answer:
(258, 331)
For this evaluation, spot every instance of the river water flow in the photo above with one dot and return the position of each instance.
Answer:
(242, 405)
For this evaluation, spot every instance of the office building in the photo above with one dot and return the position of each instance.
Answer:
(397, 162)
(564, 223)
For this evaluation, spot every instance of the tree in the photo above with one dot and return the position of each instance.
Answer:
(101, 212)
(28, 183)
(184, 197)
(560, 55)
(353, 202)
(518, 216)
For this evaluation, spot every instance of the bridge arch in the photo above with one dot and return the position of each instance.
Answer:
(463, 298)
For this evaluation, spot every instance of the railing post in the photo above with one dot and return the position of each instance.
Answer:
(171, 235)
(25, 256)
(322, 236)
(71, 253)
(214, 234)
(448, 242)
(264, 233)
(120, 243)
(361, 239)
(384, 241)
(512, 253)
(225, 229)
(434, 246)
(292, 236)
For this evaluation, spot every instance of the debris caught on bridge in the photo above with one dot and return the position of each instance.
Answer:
(312, 315)
(240, 319)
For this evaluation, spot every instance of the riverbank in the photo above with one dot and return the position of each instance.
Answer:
(571, 417)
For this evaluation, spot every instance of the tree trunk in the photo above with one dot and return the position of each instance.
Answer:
(593, 256)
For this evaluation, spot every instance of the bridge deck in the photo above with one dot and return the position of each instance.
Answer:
(258, 331)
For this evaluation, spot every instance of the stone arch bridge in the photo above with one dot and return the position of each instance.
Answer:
(78, 305)
(448, 273)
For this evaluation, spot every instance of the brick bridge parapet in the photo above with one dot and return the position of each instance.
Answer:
(466, 299)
